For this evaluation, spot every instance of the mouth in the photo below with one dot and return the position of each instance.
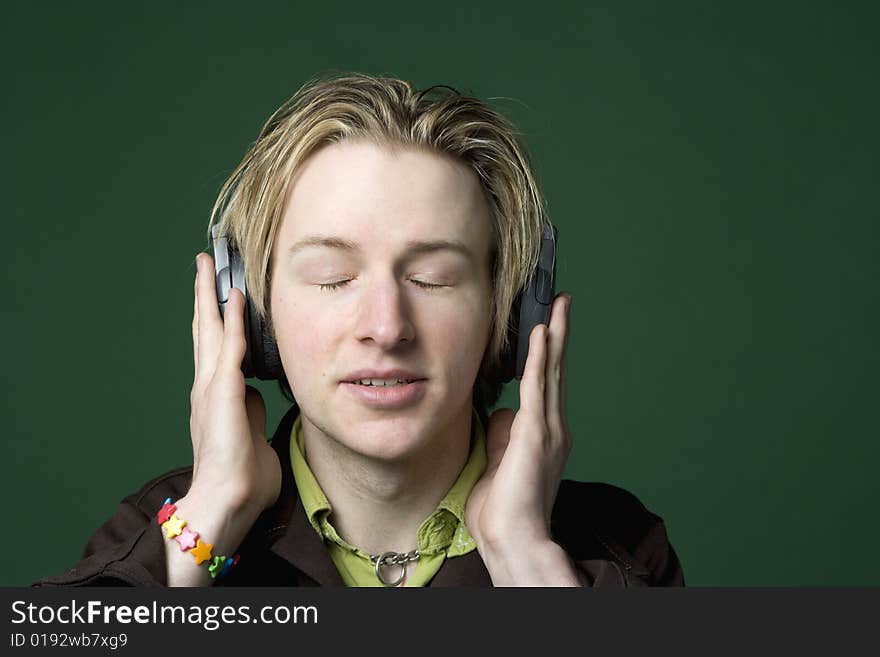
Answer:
(383, 383)
(387, 394)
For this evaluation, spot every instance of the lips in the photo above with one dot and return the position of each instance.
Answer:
(387, 375)
(387, 398)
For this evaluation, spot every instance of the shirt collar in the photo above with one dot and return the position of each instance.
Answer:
(287, 533)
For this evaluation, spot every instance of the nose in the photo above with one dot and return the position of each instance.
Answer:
(384, 316)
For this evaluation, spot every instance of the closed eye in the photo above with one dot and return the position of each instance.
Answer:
(339, 284)
(332, 286)
(429, 286)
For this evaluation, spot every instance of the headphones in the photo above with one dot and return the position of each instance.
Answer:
(261, 360)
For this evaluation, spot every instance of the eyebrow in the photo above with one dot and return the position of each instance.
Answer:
(413, 247)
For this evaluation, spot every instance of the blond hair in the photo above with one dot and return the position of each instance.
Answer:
(390, 112)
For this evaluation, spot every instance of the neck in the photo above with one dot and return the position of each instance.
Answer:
(378, 505)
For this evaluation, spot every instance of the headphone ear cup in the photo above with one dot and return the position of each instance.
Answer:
(271, 360)
(531, 306)
(261, 356)
(507, 367)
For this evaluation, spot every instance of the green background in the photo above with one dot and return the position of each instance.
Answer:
(712, 170)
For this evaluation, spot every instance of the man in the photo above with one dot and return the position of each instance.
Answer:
(385, 234)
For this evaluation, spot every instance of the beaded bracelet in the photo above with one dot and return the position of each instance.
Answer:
(176, 528)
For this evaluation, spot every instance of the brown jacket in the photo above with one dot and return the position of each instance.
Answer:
(611, 537)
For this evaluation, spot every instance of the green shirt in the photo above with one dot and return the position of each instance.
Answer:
(442, 535)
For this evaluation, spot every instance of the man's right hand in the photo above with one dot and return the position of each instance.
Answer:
(231, 459)
(236, 473)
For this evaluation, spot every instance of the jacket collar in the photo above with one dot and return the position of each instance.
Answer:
(291, 536)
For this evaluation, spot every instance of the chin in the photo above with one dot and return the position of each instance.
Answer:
(381, 443)
(385, 435)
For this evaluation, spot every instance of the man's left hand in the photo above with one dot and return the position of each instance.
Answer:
(508, 511)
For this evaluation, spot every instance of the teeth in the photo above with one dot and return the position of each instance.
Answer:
(383, 382)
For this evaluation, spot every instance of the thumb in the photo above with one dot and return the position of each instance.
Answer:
(256, 412)
(497, 436)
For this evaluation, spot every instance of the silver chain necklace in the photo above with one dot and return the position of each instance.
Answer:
(393, 559)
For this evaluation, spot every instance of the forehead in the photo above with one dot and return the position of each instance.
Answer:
(377, 197)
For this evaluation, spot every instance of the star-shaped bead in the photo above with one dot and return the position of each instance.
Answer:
(216, 565)
(201, 552)
(165, 513)
(187, 539)
(173, 526)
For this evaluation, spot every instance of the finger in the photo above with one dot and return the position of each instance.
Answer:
(558, 330)
(531, 387)
(256, 412)
(564, 389)
(195, 324)
(233, 345)
(210, 327)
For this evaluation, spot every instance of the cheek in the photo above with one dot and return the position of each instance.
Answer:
(304, 340)
(461, 335)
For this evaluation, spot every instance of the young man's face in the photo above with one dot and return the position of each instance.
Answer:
(380, 201)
